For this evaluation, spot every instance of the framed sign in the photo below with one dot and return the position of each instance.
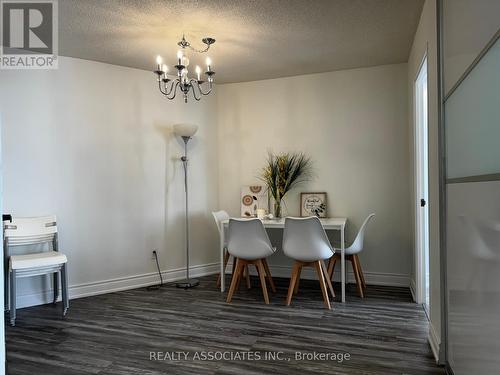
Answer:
(252, 198)
(313, 204)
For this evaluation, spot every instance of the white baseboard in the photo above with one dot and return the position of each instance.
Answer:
(434, 341)
(139, 281)
(413, 289)
(373, 278)
(116, 285)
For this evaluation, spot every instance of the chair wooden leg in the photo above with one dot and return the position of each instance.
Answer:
(268, 275)
(235, 279)
(297, 282)
(234, 266)
(360, 271)
(12, 314)
(262, 273)
(356, 275)
(293, 280)
(322, 284)
(327, 278)
(247, 277)
(244, 275)
(226, 259)
(331, 266)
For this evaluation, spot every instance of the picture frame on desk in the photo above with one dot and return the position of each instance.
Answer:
(313, 204)
(253, 197)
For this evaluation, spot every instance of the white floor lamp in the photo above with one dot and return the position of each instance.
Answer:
(186, 131)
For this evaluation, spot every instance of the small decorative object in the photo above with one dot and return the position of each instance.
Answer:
(252, 198)
(261, 213)
(282, 173)
(313, 204)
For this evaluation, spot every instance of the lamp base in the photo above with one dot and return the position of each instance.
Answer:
(187, 283)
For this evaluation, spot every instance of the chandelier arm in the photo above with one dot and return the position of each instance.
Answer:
(194, 93)
(161, 90)
(200, 89)
(172, 84)
(194, 83)
(174, 89)
(167, 91)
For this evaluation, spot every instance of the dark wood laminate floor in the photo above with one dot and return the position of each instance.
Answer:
(113, 334)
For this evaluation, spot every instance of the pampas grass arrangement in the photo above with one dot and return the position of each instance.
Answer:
(282, 173)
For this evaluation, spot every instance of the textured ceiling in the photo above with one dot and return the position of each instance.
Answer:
(256, 39)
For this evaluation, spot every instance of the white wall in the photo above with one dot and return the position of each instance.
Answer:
(425, 42)
(353, 124)
(91, 143)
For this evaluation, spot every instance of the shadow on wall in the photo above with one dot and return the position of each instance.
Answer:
(206, 235)
(173, 255)
(166, 132)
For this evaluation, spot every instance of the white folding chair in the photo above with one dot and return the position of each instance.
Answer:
(28, 232)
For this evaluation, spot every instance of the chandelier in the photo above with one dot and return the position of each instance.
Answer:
(183, 82)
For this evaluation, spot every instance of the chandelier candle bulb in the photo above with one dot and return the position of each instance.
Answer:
(179, 57)
(158, 61)
(198, 72)
(209, 62)
(165, 69)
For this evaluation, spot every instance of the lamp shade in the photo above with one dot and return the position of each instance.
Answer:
(185, 130)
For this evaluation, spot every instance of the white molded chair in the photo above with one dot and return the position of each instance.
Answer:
(305, 241)
(249, 243)
(351, 254)
(219, 217)
(28, 232)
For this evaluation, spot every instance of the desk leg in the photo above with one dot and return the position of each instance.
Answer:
(342, 260)
(222, 271)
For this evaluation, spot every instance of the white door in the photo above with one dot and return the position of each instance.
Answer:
(422, 187)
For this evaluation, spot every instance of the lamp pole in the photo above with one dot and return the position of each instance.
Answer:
(187, 282)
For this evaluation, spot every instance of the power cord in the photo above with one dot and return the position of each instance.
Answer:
(158, 286)
(161, 284)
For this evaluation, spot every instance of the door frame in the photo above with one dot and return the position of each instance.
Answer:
(420, 268)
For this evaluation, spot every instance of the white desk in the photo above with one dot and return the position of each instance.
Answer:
(337, 223)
